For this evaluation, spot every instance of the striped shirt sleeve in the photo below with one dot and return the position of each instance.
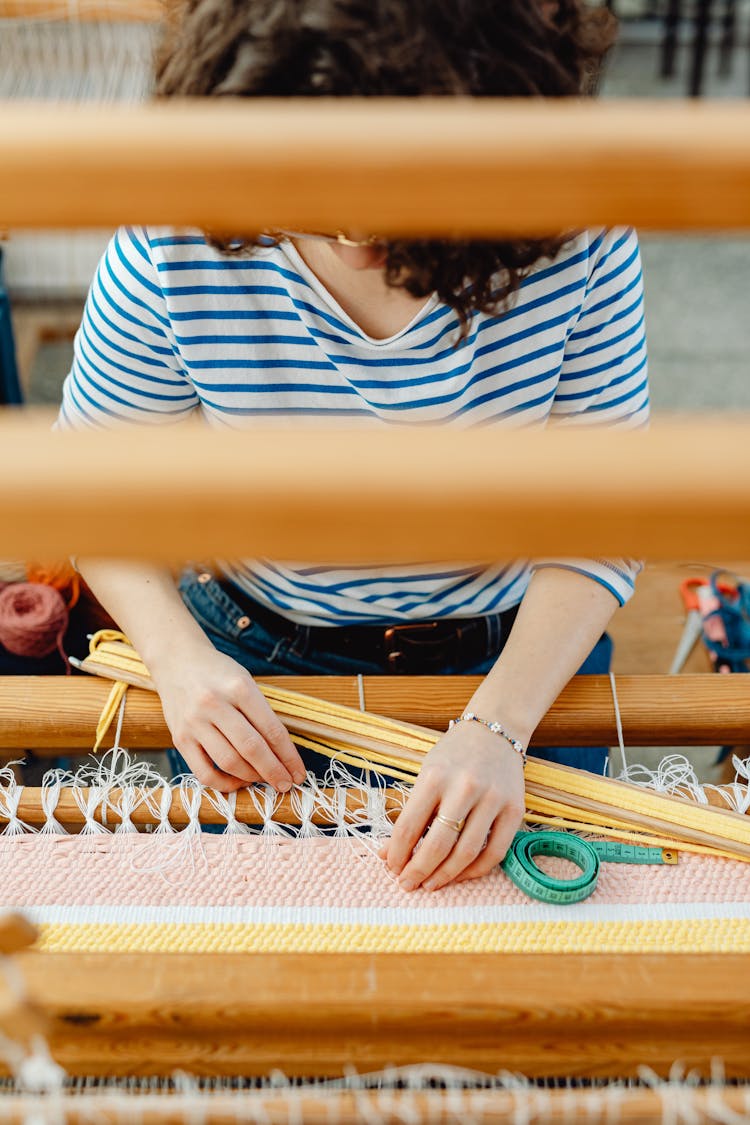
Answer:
(604, 380)
(125, 367)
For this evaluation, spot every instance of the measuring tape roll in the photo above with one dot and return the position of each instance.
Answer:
(519, 864)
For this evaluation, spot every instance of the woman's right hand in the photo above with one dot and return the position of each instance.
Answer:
(221, 723)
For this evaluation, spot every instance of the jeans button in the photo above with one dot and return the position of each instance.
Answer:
(243, 623)
(204, 578)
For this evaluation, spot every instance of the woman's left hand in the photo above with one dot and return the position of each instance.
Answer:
(470, 775)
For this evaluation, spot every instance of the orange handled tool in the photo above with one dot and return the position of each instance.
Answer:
(690, 589)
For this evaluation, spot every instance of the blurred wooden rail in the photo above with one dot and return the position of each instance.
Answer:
(84, 11)
(379, 496)
(538, 1014)
(321, 1107)
(394, 167)
(48, 713)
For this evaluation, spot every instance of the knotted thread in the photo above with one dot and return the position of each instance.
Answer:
(33, 620)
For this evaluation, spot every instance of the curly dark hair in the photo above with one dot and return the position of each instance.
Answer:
(406, 48)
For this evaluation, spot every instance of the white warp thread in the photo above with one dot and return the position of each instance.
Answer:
(618, 720)
(10, 796)
(396, 1094)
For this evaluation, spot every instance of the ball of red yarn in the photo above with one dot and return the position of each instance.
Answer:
(33, 619)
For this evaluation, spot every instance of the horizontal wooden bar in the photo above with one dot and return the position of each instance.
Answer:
(49, 714)
(394, 167)
(31, 810)
(316, 1014)
(612, 1105)
(68, 813)
(16, 932)
(84, 11)
(377, 496)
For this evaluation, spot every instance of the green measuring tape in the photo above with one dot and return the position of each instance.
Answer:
(519, 864)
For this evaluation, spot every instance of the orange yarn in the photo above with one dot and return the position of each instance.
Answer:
(60, 576)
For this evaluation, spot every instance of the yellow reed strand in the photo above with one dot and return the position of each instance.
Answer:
(333, 749)
(644, 839)
(121, 664)
(349, 758)
(110, 648)
(594, 789)
(574, 825)
(595, 823)
(618, 795)
(119, 654)
(568, 810)
(350, 720)
(108, 712)
(424, 734)
(361, 730)
(117, 650)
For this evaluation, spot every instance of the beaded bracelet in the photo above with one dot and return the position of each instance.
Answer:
(496, 728)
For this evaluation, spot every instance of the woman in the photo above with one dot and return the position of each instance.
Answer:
(324, 326)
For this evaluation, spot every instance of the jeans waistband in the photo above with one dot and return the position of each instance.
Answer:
(415, 647)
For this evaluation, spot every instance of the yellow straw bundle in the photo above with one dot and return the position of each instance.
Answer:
(555, 795)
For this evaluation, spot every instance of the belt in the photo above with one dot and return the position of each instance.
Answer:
(411, 648)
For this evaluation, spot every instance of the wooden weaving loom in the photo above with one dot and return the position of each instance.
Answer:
(573, 1015)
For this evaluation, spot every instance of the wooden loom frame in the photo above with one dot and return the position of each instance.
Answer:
(600, 1014)
(52, 714)
(377, 164)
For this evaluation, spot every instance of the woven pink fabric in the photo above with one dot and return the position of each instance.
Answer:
(165, 871)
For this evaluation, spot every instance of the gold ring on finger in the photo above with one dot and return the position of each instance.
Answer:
(455, 825)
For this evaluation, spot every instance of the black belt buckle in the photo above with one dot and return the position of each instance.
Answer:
(418, 646)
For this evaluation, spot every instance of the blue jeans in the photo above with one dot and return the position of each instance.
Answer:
(265, 653)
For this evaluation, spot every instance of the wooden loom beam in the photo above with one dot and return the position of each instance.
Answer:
(221, 1014)
(374, 496)
(48, 714)
(69, 813)
(378, 164)
(84, 11)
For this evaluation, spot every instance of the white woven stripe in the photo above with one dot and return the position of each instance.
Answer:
(342, 916)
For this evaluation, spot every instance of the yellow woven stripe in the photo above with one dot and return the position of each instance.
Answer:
(720, 935)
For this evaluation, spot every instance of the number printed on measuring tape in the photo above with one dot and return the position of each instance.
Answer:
(520, 867)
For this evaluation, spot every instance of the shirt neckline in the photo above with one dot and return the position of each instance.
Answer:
(316, 284)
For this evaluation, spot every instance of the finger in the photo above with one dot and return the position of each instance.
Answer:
(250, 745)
(206, 772)
(411, 824)
(225, 756)
(468, 846)
(280, 742)
(256, 710)
(498, 842)
(437, 845)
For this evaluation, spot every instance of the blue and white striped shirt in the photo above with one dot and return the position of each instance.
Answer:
(171, 326)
